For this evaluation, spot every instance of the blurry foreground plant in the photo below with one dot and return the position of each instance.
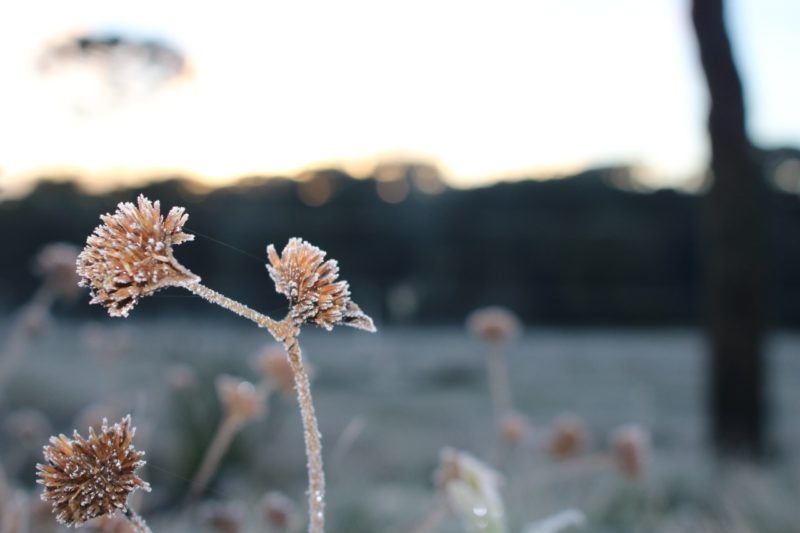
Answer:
(89, 477)
(130, 256)
(471, 490)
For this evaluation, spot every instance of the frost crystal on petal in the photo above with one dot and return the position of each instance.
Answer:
(301, 274)
(89, 477)
(129, 255)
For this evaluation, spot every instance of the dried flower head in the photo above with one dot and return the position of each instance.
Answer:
(630, 446)
(513, 428)
(493, 324)
(472, 490)
(568, 437)
(278, 510)
(87, 478)
(222, 516)
(240, 398)
(129, 255)
(273, 364)
(55, 262)
(309, 282)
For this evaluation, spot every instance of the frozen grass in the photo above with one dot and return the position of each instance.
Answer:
(419, 390)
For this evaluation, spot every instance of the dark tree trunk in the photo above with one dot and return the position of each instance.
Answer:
(735, 247)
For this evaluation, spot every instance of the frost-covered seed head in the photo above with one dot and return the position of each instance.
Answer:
(55, 262)
(129, 256)
(494, 324)
(568, 437)
(89, 477)
(309, 282)
(630, 446)
(240, 398)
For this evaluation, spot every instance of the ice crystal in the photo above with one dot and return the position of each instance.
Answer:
(89, 477)
(301, 274)
(129, 255)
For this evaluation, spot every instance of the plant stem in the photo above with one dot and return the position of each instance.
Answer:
(138, 523)
(219, 445)
(286, 331)
(231, 305)
(498, 382)
(316, 475)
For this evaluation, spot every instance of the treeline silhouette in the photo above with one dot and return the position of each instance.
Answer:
(576, 250)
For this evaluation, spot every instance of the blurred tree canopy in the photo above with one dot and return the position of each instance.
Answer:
(576, 250)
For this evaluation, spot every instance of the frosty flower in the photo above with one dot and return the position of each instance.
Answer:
(87, 478)
(472, 490)
(568, 437)
(129, 255)
(630, 446)
(309, 282)
(240, 399)
(493, 324)
(55, 262)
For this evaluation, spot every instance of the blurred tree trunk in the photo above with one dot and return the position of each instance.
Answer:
(735, 247)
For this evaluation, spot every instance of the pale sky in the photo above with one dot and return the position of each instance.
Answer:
(485, 89)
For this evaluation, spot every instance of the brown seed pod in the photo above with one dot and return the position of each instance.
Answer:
(89, 477)
(129, 256)
(301, 274)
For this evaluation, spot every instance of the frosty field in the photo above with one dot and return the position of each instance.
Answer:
(387, 403)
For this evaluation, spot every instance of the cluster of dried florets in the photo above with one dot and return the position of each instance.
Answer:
(129, 256)
(89, 477)
(309, 282)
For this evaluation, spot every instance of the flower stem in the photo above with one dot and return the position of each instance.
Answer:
(219, 445)
(231, 305)
(138, 523)
(316, 475)
(498, 382)
(286, 331)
